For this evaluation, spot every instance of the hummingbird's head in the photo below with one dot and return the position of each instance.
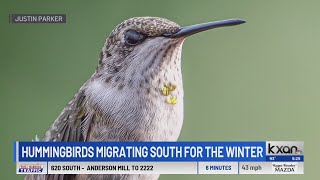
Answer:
(140, 48)
(135, 44)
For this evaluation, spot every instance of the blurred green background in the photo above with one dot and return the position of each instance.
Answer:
(254, 82)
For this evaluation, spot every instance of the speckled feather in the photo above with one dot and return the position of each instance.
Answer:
(123, 100)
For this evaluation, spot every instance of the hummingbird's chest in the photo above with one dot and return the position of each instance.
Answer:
(150, 113)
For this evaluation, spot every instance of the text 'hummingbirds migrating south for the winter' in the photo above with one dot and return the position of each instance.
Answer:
(136, 92)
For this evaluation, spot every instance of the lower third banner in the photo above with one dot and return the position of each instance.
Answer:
(268, 157)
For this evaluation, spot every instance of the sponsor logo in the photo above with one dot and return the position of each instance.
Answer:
(31, 168)
(282, 168)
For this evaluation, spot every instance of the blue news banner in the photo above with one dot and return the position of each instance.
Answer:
(268, 157)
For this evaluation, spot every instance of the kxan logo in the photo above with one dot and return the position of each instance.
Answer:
(279, 149)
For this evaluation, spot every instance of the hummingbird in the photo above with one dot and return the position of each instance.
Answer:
(135, 93)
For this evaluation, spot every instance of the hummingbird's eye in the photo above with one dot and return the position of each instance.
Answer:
(133, 37)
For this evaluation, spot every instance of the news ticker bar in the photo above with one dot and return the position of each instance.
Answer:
(163, 168)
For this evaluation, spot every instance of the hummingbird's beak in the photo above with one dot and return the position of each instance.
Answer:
(193, 29)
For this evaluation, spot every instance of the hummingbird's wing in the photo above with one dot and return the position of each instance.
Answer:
(72, 125)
